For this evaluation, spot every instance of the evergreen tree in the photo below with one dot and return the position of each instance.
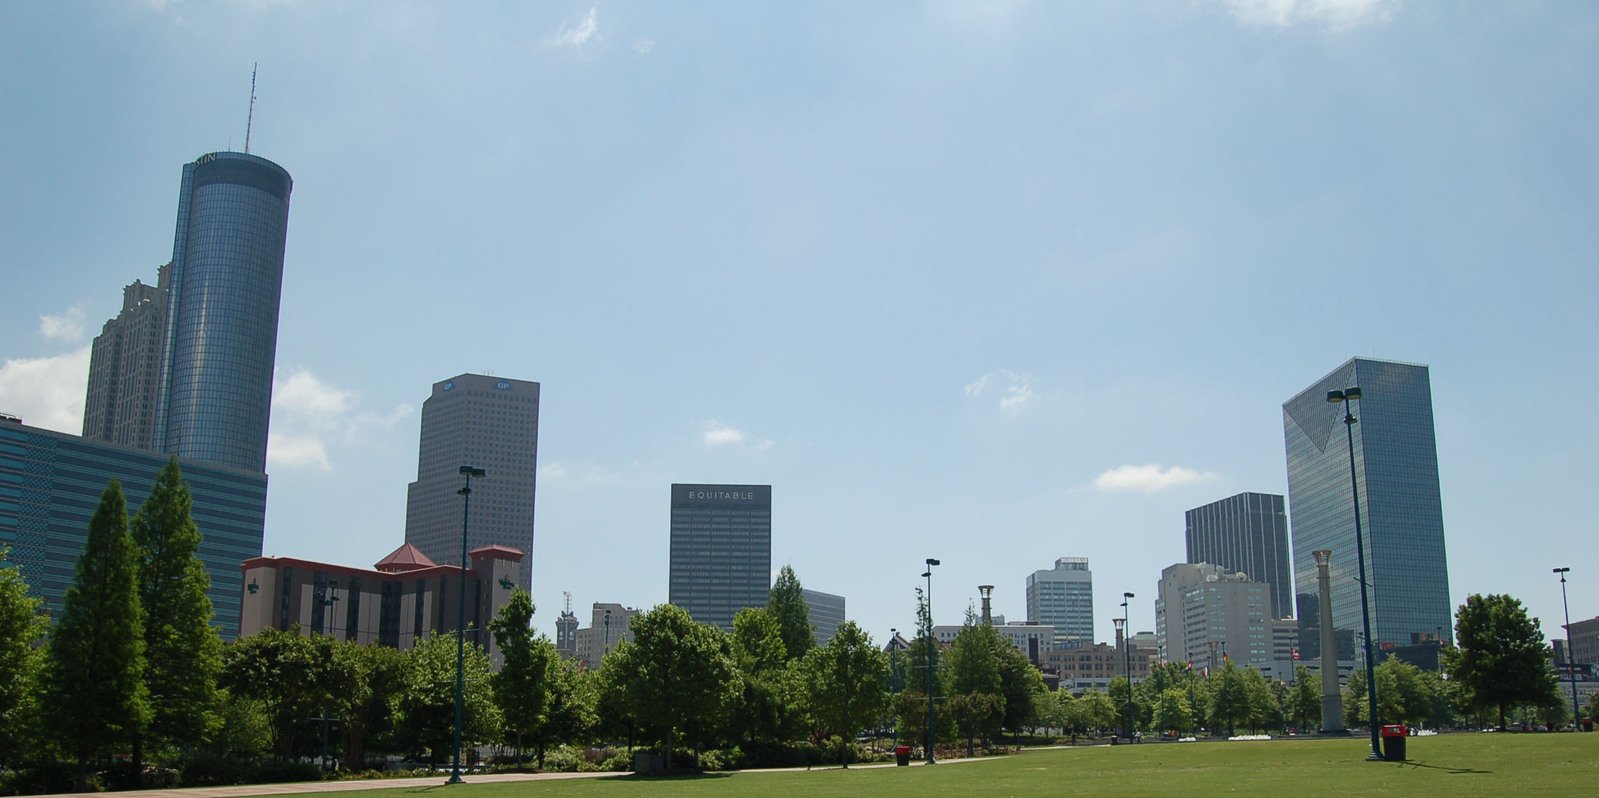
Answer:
(787, 605)
(520, 685)
(94, 682)
(22, 627)
(1503, 660)
(182, 651)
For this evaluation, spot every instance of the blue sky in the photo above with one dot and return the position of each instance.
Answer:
(994, 283)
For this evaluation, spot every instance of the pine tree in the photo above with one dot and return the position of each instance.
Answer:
(787, 605)
(22, 626)
(182, 651)
(94, 682)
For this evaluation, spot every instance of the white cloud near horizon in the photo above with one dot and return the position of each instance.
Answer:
(308, 415)
(718, 434)
(47, 392)
(1335, 15)
(1149, 478)
(581, 33)
(1016, 393)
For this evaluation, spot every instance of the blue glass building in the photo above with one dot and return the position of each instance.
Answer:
(222, 323)
(50, 484)
(1396, 460)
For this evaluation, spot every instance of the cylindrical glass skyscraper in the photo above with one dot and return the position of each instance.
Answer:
(227, 276)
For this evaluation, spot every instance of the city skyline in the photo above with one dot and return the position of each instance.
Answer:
(971, 283)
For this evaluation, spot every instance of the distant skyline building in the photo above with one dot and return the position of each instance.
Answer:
(1063, 597)
(1205, 613)
(610, 625)
(215, 392)
(125, 367)
(1396, 458)
(486, 422)
(1247, 533)
(721, 550)
(826, 613)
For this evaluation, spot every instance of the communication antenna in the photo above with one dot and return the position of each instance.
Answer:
(568, 595)
(250, 120)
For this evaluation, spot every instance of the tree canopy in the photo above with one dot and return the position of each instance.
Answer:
(1503, 660)
(787, 605)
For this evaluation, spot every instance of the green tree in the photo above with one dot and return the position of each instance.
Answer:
(1304, 699)
(973, 668)
(570, 703)
(1126, 719)
(1264, 708)
(182, 651)
(675, 676)
(765, 714)
(1401, 693)
(425, 708)
(1503, 660)
(787, 605)
(976, 715)
(1097, 713)
(520, 684)
(1229, 702)
(367, 710)
(1172, 712)
(846, 684)
(22, 627)
(94, 682)
(1020, 684)
(294, 677)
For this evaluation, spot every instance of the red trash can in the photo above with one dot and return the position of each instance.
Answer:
(902, 755)
(1393, 742)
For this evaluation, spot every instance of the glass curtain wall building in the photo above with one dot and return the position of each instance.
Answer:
(1396, 460)
(1063, 597)
(222, 326)
(721, 550)
(1247, 533)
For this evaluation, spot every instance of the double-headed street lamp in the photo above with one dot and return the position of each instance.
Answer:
(1344, 396)
(931, 714)
(1571, 666)
(468, 473)
(1127, 661)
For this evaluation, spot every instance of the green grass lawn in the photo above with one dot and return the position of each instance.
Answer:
(1452, 765)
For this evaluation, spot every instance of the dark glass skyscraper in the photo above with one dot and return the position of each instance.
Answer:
(490, 423)
(1247, 533)
(721, 552)
(222, 326)
(1396, 460)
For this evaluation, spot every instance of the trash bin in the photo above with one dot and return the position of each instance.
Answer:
(1587, 724)
(902, 755)
(1393, 742)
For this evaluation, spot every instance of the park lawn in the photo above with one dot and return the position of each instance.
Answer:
(1453, 764)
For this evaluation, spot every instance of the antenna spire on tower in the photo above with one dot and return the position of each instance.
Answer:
(568, 595)
(250, 120)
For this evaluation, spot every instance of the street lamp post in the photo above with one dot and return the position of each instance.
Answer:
(1344, 396)
(932, 715)
(607, 650)
(326, 598)
(467, 473)
(1571, 666)
(1121, 627)
(893, 673)
(1127, 661)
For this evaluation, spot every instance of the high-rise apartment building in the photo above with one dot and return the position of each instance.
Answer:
(125, 367)
(721, 550)
(222, 322)
(826, 613)
(1247, 533)
(490, 423)
(1396, 465)
(1205, 613)
(1063, 597)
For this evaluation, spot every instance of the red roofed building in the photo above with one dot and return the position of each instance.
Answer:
(403, 597)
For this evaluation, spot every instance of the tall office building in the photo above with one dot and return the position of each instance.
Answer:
(826, 613)
(1246, 533)
(222, 322)
(1063, 597)
(1204, 612)
(721, 550)
(1396, 461)
(490, 423)
(125, 367)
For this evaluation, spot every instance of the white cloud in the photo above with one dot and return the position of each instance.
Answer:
(644, 46)
(1149, 478)
(1016, 395)
(66, 327)
(719, 434)
(46, 391)
(552, 471)
(578, 35)
(308, 415)
(1335, 15)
